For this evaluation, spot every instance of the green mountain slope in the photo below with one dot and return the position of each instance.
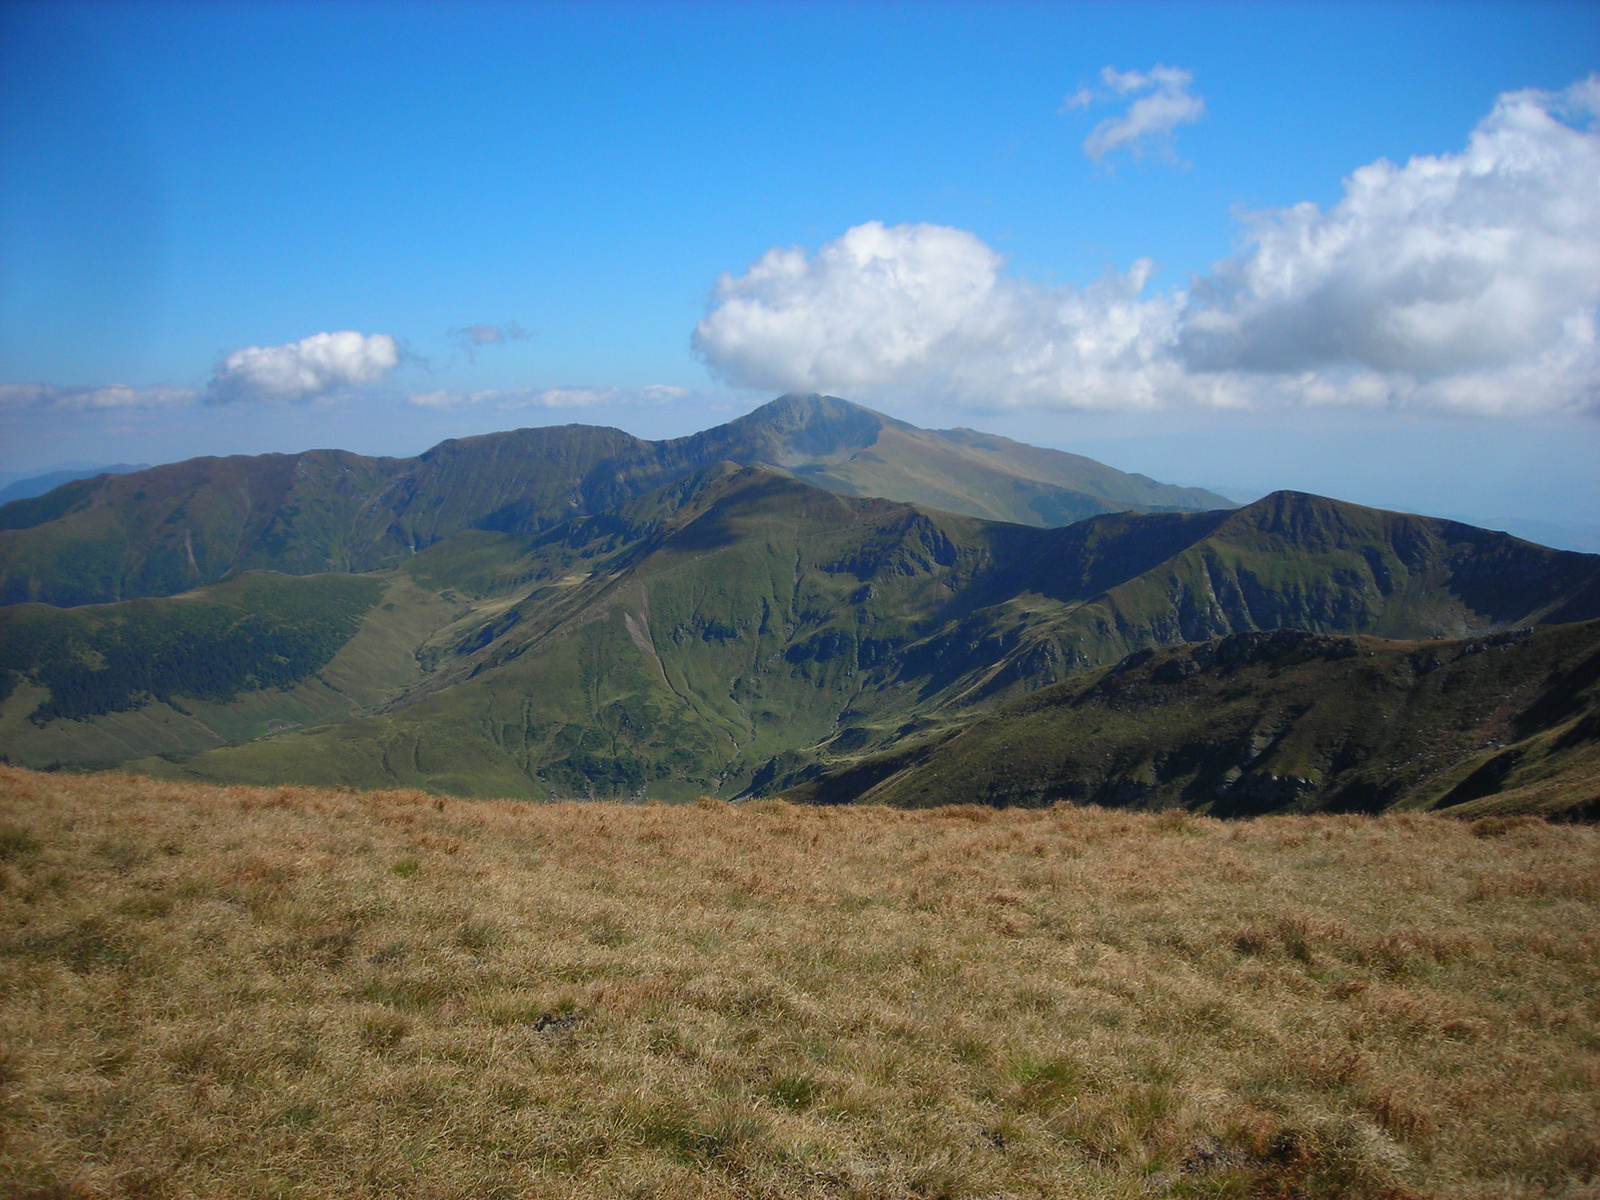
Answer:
(137, 673)
(97, 685)
(1264, 722)
(1295, 561)
(259, 631)
(739, 630)
(168, 529)
(699, 632)
(956, 470)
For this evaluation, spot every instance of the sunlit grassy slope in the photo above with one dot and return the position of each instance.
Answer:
(273, 992)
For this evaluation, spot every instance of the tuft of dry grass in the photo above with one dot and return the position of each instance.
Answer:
(295, 992)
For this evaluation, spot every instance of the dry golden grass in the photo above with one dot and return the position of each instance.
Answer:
(291, 992)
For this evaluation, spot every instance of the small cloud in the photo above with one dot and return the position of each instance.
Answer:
(661, 393)
(311, 367)
(474, 337)
(116, 395)
(568, 397)
(1081, 98)
(442, 399)
(1150, 119)
(29, 395)
(483, 335)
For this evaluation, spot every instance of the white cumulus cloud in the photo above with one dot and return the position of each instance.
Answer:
(865, 309)
(313, 366)
(929, 308)
(1440, 271)
(1464, 282)
(1164, 102)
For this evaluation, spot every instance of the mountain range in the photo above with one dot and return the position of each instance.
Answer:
(814, 600)
(165, 530)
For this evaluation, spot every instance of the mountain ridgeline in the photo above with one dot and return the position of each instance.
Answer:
(737, 629)
(165, 530)
(813, 600)
(1268, 722)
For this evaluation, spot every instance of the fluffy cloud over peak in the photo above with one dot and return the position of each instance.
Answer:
(929, 308)
(1150, 120)
(864, 310)
(1464, 282)
(313, 366)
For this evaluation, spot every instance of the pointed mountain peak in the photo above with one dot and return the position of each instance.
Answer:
(1285, 504)
(806, 406)
(796, 428)
(1308, 520)
(804, 410)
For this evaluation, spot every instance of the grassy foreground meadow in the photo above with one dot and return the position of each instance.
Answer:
(294, 992)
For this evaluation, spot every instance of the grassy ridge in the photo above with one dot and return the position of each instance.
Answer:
(263, 992)
(961, 471)
(1296, 561)
(1286, 721)
(169, 529)
(380, 662)
(706, 642)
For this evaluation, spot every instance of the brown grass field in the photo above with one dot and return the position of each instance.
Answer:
(281, 992)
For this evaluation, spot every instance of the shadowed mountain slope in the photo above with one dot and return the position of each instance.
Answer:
(1125, 582)
(1263, 722)
(167, 529)
(739, 630)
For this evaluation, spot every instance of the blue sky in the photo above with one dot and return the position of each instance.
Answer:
(180, 184)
